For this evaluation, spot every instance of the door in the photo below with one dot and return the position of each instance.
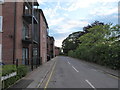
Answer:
(25, 56)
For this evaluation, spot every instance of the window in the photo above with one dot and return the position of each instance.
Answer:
(35, 53)
(1, 20)
(27, 10)
(25, 32)
(25, 56)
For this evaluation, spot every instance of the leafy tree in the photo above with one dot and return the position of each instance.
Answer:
(85, 29)
(100, 44)
(71, 42)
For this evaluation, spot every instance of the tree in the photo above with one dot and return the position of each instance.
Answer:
(101, 45)
(96, 23)
(71, 42)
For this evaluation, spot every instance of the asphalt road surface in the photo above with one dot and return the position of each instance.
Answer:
(72, 73)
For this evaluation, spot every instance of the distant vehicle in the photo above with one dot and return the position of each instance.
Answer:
(1, 63)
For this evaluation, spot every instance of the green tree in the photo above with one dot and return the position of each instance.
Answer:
(101, 45)
(71, 42)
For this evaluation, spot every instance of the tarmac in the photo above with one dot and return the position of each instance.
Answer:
(35, 78)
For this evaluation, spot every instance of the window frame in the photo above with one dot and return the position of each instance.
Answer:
(1, 23)
(25, 57)
(25, 31)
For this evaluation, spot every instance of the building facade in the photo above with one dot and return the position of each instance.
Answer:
(57, 51)
(50, 47)
(43, 37)
(1, 22)
(24, 36)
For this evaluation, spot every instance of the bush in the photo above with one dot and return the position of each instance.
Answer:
(102, 54)
(7, 69)
(22, 71)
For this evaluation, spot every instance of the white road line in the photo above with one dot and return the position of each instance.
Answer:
(69, 62)
(75, 69)
(90, 84)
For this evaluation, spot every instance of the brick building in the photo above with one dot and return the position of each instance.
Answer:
(24, 34)
(0, 32)
(50, 47)
(57, 51)
(43, 36)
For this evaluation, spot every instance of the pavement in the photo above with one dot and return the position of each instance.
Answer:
(35, 77)
(67, 72)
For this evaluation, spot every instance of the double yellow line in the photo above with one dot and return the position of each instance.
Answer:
(50, 76)
(114, 76)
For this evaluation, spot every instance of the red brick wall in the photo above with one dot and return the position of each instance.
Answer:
(8, 31)
(43, 39)
(8, 28)
(8, 34)
(0, 37)
(57, 51)
(19, 26)
(0, 47)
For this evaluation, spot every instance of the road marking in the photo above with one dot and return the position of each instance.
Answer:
(50, 76)
(90, 84)
(114, 77)
(69, 62)
(75, 69)
(41, 81)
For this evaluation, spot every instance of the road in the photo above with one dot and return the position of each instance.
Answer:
(72, 73)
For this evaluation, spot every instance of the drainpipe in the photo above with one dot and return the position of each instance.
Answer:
(14, 39)
(32, 33)
(39, 37)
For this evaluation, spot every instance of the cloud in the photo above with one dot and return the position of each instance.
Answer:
(70, 26)
(87, 1)
(50, 12)
(55, 21)
(58, 42)
(77, 4)
(102, 11)
(61, 20)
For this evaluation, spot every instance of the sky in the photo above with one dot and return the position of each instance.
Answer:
(67, 16)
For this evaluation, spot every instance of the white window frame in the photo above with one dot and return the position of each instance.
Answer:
(1, 23)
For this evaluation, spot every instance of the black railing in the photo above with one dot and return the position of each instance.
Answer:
(32, 62)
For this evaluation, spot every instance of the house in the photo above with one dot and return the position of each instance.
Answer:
(1, 20)
(57, 51)
(43, 36)
(50, 47)
(24, 37)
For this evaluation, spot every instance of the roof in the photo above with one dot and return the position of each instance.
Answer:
(35, 2)
(41, 11)
(51, 37)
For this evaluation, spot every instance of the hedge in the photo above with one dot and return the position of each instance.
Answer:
(7, 69)
(102, 54)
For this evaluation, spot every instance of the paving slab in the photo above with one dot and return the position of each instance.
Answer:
(33, 78)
